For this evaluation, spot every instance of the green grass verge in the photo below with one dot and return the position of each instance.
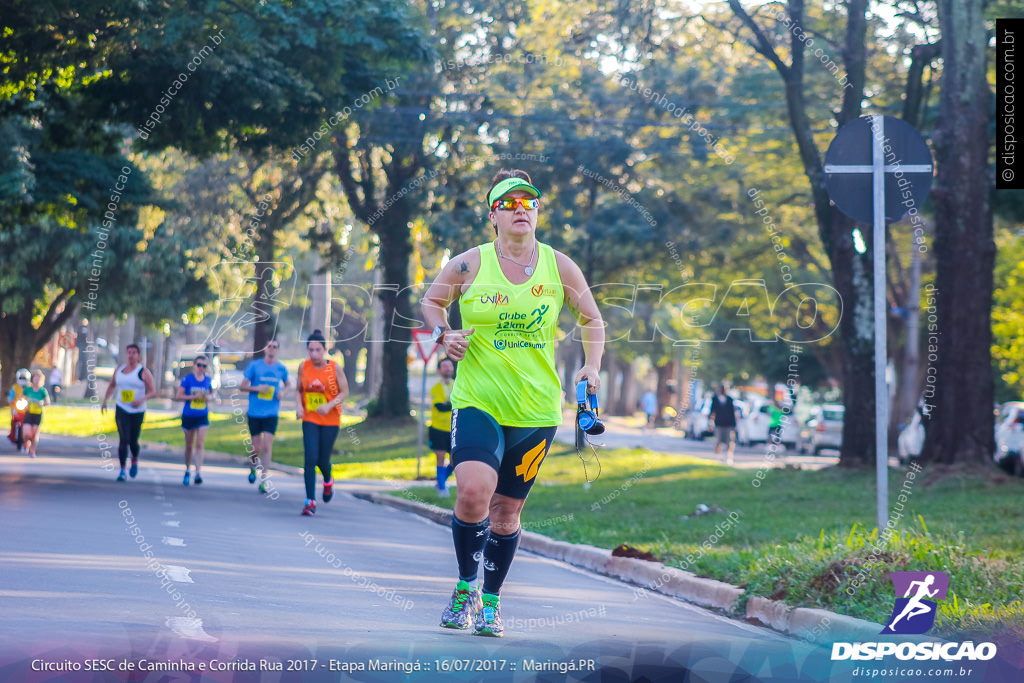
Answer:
(801, 536)
(805, 537)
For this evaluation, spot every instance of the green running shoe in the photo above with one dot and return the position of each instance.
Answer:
(465, 603)
(488, 618)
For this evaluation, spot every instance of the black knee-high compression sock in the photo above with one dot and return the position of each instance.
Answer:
(469, 544)
(498, 556)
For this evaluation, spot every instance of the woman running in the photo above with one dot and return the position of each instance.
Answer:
(507, 399)
(321, 389)
(134, 384)
(37, 398)
(195, 390)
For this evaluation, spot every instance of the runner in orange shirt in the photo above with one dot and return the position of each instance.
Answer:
(321, 389)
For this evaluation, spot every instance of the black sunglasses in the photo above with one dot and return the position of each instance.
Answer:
(200, 365)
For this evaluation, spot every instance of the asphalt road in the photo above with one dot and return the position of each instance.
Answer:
(235, 579)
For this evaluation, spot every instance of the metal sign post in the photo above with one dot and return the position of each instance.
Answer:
(901, 174)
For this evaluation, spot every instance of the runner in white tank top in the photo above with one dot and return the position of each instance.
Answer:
(133, 384)
(130, 387)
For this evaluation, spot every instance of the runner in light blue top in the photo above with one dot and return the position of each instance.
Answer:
(265, 380)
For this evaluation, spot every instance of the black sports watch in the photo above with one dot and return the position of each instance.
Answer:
(438, 334)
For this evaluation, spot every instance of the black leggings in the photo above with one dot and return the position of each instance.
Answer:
(317, 442)
(129, 428)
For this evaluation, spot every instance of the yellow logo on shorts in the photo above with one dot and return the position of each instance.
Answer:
(531, 461)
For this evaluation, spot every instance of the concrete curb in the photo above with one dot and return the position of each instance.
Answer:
(816, 625)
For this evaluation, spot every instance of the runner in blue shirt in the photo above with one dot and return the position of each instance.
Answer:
(195, 390)
(265, 380)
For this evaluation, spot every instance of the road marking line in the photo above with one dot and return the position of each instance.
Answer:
(171, 540)
(179, 574)
(171, 522)
(189, 628)
(170, 513)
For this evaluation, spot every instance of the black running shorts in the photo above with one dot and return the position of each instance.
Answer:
(515, 453)
(439, 440)
(188, 422)
(262, 425)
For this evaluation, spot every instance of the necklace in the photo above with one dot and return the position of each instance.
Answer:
(527, 268)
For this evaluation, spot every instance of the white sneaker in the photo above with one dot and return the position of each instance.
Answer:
(442, 493)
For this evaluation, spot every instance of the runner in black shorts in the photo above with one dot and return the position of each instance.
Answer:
(265, 381)
(507, 399)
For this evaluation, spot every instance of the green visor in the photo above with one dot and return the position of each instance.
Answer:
(509, 184)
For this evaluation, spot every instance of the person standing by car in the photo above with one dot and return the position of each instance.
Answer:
(649, 404)
(265, 379)
(775, 412)
(723, 419)
(56, 383)
(134, 384)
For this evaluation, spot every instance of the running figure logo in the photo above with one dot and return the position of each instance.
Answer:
(913, 614)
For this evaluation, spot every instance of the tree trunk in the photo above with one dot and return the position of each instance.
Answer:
(15, 348)
(851, 274)
(395, 252)
(265, 303)
(961, 424)
(665, 373)
(628, 392)
(612, 395)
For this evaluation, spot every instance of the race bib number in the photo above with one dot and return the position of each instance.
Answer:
(267, 395)
(314, 399)
(127, 395)
(35, 409)
(198, 403)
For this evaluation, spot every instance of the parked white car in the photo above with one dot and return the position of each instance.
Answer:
(755, 427)
(1010, 438)
(823, 430)
(911, 440)
(697, 423)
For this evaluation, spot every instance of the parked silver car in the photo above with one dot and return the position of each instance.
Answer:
(823, 430)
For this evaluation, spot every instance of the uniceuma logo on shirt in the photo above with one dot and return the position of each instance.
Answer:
(498, 299)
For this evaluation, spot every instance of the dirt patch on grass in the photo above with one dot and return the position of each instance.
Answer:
(837, 572)
(629, 551)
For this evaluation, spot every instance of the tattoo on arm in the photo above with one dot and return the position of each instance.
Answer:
(463, 268)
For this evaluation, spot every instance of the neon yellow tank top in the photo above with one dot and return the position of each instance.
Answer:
(509, 369)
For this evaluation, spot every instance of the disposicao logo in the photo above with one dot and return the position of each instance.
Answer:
(914, 614)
